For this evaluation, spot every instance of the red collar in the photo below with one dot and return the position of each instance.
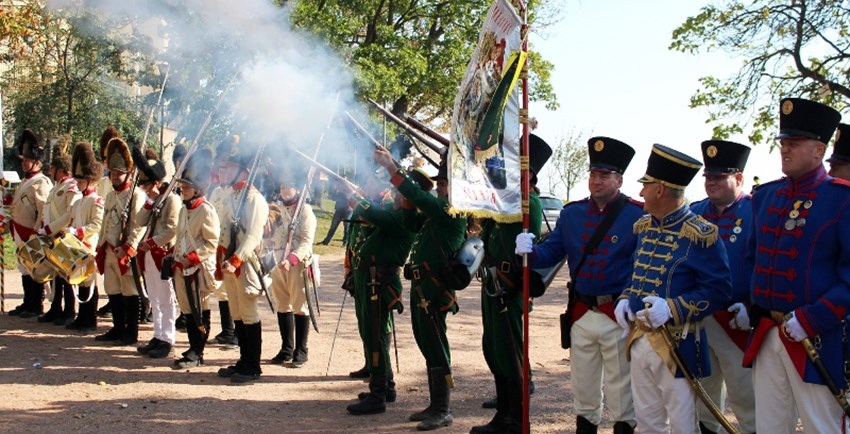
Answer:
(32, 174)
(240, 185)
(196, 203)
(122, 187)
(89, 191)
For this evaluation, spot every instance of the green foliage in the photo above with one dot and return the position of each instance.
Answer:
(66, 78)
(796, 48)
(413, 53)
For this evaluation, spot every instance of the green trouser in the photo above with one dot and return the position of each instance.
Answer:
(503, 354)
(369, 311)
(423, 325)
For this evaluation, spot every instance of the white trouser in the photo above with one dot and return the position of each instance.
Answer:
(596, 349)
(727, 373)
(780, 388)
(663, 403)
(161, 295)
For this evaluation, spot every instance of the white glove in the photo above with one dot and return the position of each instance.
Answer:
(794, 330)
(524, 243)
(741, 321)
(623, 314)
(41, 231)
(657, 314)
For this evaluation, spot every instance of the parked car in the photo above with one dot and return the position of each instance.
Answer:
(551, 210)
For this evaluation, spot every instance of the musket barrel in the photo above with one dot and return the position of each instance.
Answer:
(415, 133)
(429, 132)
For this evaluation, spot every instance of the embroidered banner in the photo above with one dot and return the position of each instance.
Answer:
(484, 174)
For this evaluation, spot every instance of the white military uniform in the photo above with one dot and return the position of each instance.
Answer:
(288, 286)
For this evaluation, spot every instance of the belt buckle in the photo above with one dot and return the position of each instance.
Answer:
(778, 317)
(505, 267)
(416, 275)
(604, 299)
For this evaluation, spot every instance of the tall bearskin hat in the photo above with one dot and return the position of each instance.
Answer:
(84, 165)
(225, 147)
(178, 154)
(61, 161)
(110, 133)
(30, 146)
(118, 157)
(151, 169)
(198, 170)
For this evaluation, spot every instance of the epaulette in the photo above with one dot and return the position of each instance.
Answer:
(576, 202)
(693, 204)
(636, 202)
(699, 230)
(642, 224)
(839, 181)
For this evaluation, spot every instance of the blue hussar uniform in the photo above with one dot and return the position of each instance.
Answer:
(733, 226)
(680, 276)
(598, 352)
(802, 265)
(727, 338)
(801, 279)
(607, 269)
(679, 258)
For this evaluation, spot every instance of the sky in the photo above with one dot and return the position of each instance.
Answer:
(615, 77)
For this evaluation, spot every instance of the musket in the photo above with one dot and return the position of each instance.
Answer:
(431, 312)
(160, 202)
(327, 171)
(125, 213)
(413, 132)
(693, 380)
(375, 320)
(296, 214)
(429, 132)
(376, 144)
(812, 352)
(336, 331)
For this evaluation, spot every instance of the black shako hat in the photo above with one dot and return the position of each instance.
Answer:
(539, 153)
(803, 119)
(721, 156)
(609, 154)
(670, 168)
(841, 149)
(198, 170)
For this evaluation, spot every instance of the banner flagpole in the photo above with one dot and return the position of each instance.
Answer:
(525, 186)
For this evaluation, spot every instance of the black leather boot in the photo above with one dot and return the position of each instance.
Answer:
(55, 310)
(442, 413)
(67, 315)
(193, 357)
(131, 315)
(253, 344)
(424, 414)
(117, 330)
(703, 429)
(302, 332)
(376, 402)
(502, 419)
(622, 427)
(227, 337)
(227, 372)
(286, 324)
(86, 318)
(583, 426)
